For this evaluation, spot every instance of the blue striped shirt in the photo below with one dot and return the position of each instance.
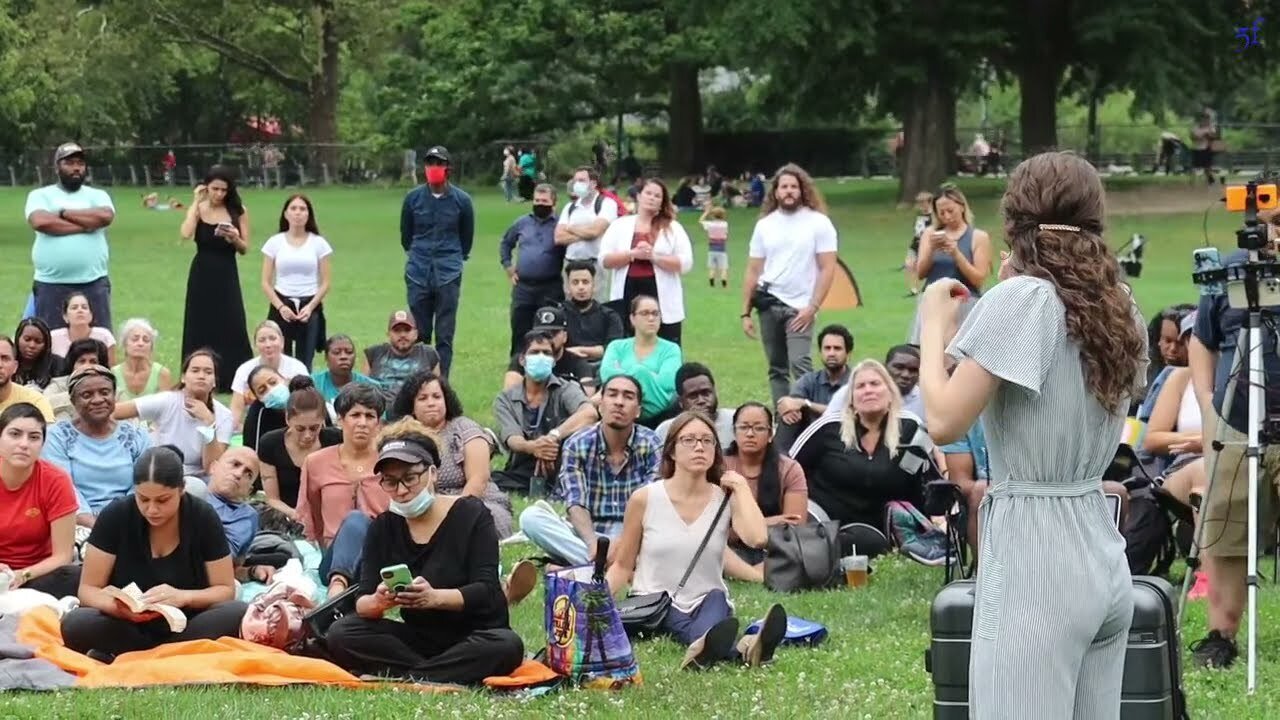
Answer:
(588, 480)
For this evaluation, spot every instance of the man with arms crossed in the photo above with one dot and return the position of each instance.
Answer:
(584, 220)
(70, 252)
(791, 263)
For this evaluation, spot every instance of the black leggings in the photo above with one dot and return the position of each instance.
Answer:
(60, 583)
(85, 629)
(404, 650)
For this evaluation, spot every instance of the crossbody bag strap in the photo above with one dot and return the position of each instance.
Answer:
(705, 539)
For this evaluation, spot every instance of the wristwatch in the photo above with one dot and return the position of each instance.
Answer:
(808, 405)
(554, 434)
(26, 576)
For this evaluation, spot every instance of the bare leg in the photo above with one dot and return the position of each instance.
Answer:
(735, 568)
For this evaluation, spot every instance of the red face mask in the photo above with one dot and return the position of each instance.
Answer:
(436, 174)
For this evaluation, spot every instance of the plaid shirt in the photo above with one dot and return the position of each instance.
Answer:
(590, 482)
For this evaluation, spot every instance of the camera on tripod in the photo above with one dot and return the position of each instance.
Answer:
(1255, 282)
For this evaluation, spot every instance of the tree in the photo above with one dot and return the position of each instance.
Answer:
(910, 57)
(1164, 50)
(294, 48)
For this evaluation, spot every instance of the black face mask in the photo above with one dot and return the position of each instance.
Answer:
(542, 212)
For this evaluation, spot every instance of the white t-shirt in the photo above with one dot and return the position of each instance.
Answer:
(60, 339)
(289, 368)
(297, 268)
(579, 213)
(167, 414)
(789, 243)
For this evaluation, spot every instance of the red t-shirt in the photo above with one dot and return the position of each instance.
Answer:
(640, 268)
(27, 513)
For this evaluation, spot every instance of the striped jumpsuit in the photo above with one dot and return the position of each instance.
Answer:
(1053, 599)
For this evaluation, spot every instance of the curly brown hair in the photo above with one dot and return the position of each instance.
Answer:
(1059, 188)
(810, 195)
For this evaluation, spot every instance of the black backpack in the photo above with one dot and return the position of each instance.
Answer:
(1150, 542)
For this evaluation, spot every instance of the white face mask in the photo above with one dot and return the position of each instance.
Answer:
(581, 189)
(415, 507)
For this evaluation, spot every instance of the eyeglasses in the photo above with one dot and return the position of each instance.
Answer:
(689, 441)
(390, 482)
(649, 313)
(753, 429)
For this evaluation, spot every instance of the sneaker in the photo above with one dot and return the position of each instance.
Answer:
(758, 649)
(522, 580)
(712, 647)
(927, 553)
(1214, 651)
(105, 658)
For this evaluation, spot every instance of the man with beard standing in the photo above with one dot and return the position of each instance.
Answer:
(437, 229)
(70, 251)
(792, 261)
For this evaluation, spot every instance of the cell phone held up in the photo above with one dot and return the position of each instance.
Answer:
(397, 578)
(221, 228)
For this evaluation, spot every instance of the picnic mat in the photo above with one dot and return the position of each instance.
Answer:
(197, 662)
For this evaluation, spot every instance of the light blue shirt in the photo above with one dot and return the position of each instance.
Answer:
(100, 469)
(239, 521)
(68, 259)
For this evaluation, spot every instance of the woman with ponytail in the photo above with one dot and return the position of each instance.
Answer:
(1050, 357)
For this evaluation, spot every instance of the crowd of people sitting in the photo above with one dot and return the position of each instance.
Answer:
(117, 470)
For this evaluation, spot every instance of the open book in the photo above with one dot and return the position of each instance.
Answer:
(131, 598)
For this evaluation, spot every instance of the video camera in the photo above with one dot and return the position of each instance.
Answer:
(1252, 284)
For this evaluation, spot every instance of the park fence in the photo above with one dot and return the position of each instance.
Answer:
(863, 151)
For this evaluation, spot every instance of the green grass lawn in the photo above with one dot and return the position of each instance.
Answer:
(872, 665)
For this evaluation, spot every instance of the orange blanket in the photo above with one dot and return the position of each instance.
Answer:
(226, 660)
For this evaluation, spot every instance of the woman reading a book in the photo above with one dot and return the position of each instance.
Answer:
(157, 569)
(37, 509)
(435, 557)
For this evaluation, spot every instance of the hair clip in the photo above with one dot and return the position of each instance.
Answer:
(1051, 226)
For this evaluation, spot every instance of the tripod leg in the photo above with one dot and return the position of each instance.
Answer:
(1257, 403)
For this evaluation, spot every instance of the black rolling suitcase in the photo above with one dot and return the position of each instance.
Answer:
(1152, 687)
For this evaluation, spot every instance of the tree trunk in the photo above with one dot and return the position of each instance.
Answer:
(929, 129)
(1038, 116)
(322, 112)
(1095, 141)
(684, 112)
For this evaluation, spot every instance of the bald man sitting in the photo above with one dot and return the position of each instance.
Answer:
(228, 489)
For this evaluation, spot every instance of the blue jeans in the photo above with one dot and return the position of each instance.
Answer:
(435, 310)
(342, 557)
(50, 296)
(687, 627)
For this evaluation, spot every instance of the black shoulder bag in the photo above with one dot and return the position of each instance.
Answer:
(644, 614)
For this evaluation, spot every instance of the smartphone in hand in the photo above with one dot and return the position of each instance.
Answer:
(222, 228)
(397, 577)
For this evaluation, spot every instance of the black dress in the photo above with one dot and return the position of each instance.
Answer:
(214, 316)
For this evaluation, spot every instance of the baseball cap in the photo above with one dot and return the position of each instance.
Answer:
(401, 317)
(66, 150)
(405, 451)
(439, 152)
(550, 319)
(1188, 324)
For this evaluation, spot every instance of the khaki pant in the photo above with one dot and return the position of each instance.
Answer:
(1225, 514)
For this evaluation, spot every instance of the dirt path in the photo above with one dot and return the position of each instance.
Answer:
(1163, 199)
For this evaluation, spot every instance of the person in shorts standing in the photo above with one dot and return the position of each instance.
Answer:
(715, 221)
(70, 252)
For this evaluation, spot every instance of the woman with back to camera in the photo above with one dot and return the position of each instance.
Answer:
(1050, 356)
(218, 222)
(173, 547)
(295, 278)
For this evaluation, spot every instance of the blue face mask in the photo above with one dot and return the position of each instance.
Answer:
(276, 398)
(415, 507)
(538, 367)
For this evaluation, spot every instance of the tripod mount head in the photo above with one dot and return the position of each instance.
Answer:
(1255, 283)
